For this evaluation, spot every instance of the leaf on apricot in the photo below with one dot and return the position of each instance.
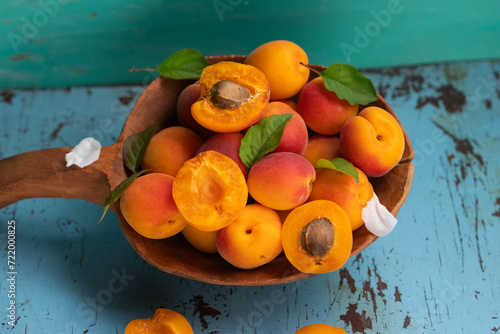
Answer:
(135, 146)
(118, 191)
(339, 164)
(184, 64)
(262, 138)
(346, 81)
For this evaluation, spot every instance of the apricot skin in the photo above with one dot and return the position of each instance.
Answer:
(343, 189)
(320, 329)
(228, 144)
(204, 241)
(373, 141)
(149, 208)
(322, 147)
(253, 239)
(281, 181)
(295, 136)
(280, 61)
(322, 110)
(187, 97)
(169, 149)
(210, 191)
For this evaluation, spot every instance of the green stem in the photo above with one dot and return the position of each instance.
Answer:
(312, 69)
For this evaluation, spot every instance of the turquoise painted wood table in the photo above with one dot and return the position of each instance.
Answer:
(437, 272)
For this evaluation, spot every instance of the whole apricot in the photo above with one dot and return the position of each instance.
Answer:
(322, 147)
(169, 149)
(295, 136)
(320, 329)
(322, 110)
(204, 241)
(149, 208)
(253, 239)
(373, 141)
(317, 237)
(233, 96)
(210, 191)
(280, 61)
(343, 189)
(228, 144)
(281, 180)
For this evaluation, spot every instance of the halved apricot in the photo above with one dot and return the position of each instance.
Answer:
(317, 237)
(210, 191)
(233, 97)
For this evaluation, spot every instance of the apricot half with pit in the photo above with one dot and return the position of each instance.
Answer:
(233, 96)
(210, 191)
(317, 237)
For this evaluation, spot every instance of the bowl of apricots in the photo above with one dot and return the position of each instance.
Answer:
(245, 170)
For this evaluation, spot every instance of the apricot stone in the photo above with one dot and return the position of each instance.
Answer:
(281, 181)
(253, 239)
(149, 208)
(169, 149)
(210, 191)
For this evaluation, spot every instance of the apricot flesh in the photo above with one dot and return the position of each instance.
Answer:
(164, 321)
(149, 208)
(210, 191)
(233, 96)
(325, 252)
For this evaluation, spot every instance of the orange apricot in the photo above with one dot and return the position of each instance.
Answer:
(149, 208)
(233, 96)
(343, 189)
(295, 136)
(280, 61)
(253, 239)
(317, 237)
(322, 147)
(373, 141)
(210, 191)
(204, 241)
(320, 329)
(164, 321)
(169, 149)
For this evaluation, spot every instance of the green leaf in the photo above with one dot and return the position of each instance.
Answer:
(135, 147)
(339, 164)
(262, 138)
(184, 64)
(118, 191)
(346, 81)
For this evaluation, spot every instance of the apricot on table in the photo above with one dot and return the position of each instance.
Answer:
(322, 110)
(169, 149)
(320, 329)
(280, 61)
(322, 147)
(281, 180)
(187, 97)
(253, 239)
(149, 208)
(343, 189)
(164, 321)
(295, 136)
(317, 237)
(373, 141)
(204, 241)
(228, 144)
(210, 191)
(233, 96)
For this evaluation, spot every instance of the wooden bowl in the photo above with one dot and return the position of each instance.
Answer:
(44, 173)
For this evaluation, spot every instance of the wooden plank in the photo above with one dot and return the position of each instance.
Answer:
(65, 43)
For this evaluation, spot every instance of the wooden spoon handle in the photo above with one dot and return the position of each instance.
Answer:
(44, 173)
